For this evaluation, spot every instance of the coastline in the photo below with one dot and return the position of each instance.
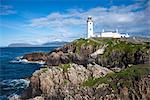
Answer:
(59, 62)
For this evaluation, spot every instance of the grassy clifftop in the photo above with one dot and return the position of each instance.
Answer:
(120, 52)
(113, 44)
(124, 77)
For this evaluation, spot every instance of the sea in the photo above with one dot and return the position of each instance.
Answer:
(13, 73)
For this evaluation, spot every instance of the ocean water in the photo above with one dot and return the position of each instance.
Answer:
(12, 75)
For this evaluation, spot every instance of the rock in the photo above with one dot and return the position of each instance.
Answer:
(64, 59)
(38, 98)
(54, 81)
(47, 85)
(77, 74)
(116, 69)
(98, 71)
(39, 56)
(53, 59)
(14, 97)
(85, 51)
(33, 89)
(138, 57)
(81, 61)
(69, 48)
(98, 52)
(76, 58)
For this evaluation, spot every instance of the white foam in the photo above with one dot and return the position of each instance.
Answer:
(12, 84)
(24, 61)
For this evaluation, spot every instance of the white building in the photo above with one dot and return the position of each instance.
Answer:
(90, 27)
(113, 34)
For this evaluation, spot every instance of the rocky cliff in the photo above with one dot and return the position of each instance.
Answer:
(91, 69)
(107, 52)
(75, 82)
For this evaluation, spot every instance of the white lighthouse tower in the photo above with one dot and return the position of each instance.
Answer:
(90, 27)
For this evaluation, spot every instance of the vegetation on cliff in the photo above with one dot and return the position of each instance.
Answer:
(124, 77)
(92, 69)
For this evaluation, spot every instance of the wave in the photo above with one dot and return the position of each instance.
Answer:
(12, 87)
(13, 84)
(19, 60)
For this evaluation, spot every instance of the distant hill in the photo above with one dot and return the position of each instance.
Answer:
(20, 45)
(56, 43)
(48, 44)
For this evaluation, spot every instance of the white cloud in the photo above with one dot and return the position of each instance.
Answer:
(6, 10)
(72, 23)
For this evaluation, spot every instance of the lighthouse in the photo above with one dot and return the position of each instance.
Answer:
(90, 27)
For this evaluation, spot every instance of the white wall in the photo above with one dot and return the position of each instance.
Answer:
(114, 35)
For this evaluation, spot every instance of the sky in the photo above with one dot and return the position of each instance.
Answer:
(41, 21)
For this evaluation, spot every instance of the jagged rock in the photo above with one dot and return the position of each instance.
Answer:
(69, 48)
(98, 71)
(54, 80)
(98, 52)
(33, 89)
(14, 97)
(64, 59)
(138, 57)
(38, 98)
(35, 56)
(86, 60)
(85, 51)
(53, 59)
(76, 58)
(77, 74)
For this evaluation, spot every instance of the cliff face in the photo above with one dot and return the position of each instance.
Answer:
(63, 81)
(75, 71)
(107, 52)
(75, 82)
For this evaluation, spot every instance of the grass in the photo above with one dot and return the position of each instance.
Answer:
(84, 42)
(65, 67)
(65, 81)
(44, 69)
(124, 49)
(125, 77)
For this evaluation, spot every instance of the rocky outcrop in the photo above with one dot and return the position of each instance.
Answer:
(66, 82)
(75, 72)
(98, 52)
(63, 83)
(110, 53)
(39, 56)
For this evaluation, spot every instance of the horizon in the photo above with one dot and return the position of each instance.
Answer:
(40, 21)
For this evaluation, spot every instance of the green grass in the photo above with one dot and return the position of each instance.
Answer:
(65, 81)
(44, 69)
(125, 77)
(84, 42)
(65, 67)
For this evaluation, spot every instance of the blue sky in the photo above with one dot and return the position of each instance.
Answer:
(40, 21)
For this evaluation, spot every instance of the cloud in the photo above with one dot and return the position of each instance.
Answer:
(6, 10)
(72, 23)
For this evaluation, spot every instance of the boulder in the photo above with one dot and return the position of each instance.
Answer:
(39, 56)
(98, 71)
(138, 57)
(53, 59)
(64, 59)
(85, 51)
(38, 98)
